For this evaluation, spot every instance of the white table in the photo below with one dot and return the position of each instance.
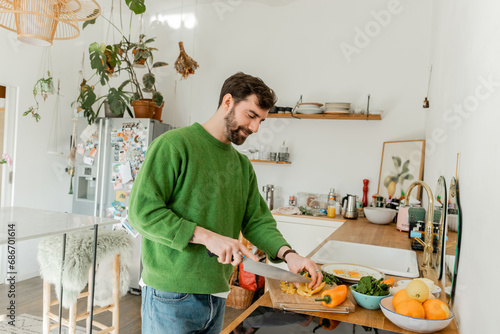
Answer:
(19, 224)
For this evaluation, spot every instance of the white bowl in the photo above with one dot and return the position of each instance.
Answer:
(410, 323)
(380, 215)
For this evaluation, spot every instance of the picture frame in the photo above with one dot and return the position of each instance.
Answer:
(402, 163)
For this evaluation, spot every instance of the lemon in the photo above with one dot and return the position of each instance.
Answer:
(430, 283)
(417, 290)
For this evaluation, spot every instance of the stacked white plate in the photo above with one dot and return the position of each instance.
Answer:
(309, 108)
(337, 107)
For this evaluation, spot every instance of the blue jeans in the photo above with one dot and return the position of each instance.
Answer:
(179, 313)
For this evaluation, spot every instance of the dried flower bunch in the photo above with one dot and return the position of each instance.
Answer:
(184, 64)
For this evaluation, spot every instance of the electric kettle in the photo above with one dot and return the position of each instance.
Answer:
(349, 207)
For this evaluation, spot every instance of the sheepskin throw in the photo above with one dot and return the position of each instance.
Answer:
(78, 261)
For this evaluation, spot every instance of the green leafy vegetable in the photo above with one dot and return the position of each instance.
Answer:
(330, 279)
(368, 285)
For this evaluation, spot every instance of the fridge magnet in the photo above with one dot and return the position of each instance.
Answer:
(89, 145)
(129, 228)
(90, 130)
(125, 172)
(110, 212)
(80, 149)
(128, 188)
(128, 133)
(116, 139)
(93, 152)
(88, 160)
(121, 195)
(122, 157)
(120, 209)
(402, 163)
(115, 171)
(117, 185)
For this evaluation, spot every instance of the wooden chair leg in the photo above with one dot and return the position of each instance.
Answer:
(72, 318)
(46, 307)
(116, 294)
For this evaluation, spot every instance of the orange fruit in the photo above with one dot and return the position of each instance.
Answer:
(399, 297)
(417, 290)
(411, 308)
(436, 309)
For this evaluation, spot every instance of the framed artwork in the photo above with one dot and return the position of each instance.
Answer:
(402, 163)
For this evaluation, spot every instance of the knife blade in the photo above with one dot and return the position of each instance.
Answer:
(266, 270)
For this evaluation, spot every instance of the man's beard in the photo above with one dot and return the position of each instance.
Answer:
(232, 130)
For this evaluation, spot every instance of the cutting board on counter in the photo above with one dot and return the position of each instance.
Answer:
(295, 302)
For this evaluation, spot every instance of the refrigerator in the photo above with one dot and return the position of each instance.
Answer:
(109, 154)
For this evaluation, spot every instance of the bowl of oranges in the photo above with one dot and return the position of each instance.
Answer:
(416, 309)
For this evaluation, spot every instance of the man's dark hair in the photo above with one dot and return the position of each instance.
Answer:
(241, 85)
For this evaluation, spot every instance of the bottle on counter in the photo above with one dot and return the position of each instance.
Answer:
(331, 193)
(332, 204)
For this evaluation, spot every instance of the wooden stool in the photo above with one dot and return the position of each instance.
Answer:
(74, 317)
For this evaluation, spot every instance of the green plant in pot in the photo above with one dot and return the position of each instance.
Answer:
(114, 60)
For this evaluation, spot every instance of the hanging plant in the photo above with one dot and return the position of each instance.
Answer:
(44, 86)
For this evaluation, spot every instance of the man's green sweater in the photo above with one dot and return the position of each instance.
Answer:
(189, 178)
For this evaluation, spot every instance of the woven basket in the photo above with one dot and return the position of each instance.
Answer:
(238, 297)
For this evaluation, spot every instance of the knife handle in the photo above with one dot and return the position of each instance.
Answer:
(212, 255)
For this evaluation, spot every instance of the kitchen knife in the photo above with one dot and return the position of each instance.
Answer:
(266, 270)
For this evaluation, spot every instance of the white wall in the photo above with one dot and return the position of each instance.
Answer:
(295, 47)
(464, 119)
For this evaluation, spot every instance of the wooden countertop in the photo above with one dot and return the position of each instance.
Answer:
(363, 232)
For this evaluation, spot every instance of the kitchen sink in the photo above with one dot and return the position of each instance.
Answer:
(391, 261)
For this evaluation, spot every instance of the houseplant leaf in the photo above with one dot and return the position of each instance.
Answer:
(148, 80)
(137, 6)
(126, 82)
(159, 64)
(158, 98)
(117, 100)
(86, 23)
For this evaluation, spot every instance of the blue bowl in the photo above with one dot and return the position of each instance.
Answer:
(366, 301)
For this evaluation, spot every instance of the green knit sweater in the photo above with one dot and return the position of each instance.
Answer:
(189, 178)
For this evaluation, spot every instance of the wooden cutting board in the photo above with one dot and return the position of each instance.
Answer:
(295, 302)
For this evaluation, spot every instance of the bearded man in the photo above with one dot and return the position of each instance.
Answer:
(195, 193)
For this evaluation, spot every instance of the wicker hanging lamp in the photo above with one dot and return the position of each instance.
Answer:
(39, 22)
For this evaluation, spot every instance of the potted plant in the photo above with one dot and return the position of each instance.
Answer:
(107, 60)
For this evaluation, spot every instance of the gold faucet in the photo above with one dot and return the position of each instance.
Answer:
(429, 226)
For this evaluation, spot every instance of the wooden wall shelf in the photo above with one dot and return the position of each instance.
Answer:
(272, 162)
(328, 116)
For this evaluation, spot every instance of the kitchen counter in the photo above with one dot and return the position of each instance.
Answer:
(364, 232)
